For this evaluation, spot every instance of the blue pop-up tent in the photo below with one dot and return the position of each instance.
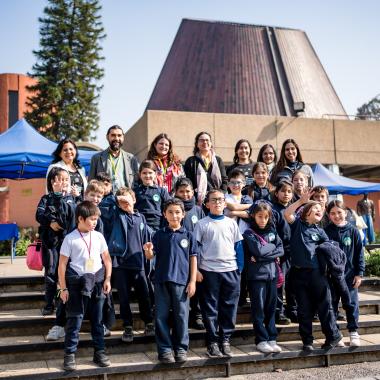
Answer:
(337, 184)
(24, 153)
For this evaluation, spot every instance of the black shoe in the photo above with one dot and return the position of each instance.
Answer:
(282, 320)
(180, 357)
(226, 349)
(69, 363)
(166, 358)
(198, 324)
(330, 344)
(341, 317)
(308, 348)
(149, 330)
(293, 318)
(127, 336)
(101, 359)
(316, 318)
(213, 351)
(47, 310)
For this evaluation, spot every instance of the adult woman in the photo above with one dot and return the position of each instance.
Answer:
(169, 167)
(205, 170)
(267, 154)
(290, 160)
(66, 156)
(242, 160)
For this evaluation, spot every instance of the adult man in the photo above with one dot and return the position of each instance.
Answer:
(120, 165)
(366, 208)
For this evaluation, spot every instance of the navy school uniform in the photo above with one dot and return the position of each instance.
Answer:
(350, 242)
(150, 202)
(259, 193)
(125, 235)
(311, 286)
(262, 280)
(172, 250)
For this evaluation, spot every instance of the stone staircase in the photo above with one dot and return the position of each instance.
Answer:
(25, 354)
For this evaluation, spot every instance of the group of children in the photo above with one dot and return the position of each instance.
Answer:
(177, 259)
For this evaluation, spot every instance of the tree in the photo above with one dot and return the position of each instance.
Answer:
(65, 99)
(370, 110)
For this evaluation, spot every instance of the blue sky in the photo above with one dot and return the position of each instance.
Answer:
(345, 35)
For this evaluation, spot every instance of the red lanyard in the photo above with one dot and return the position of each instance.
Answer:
(87, 246)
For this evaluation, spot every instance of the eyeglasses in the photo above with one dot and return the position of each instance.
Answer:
(216, 200)
(236, 183)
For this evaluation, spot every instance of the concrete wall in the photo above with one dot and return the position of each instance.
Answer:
(321, 140)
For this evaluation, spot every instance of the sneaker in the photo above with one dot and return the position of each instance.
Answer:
(330, 344)
(340, 344)
(127, 336)
(47, 310)
(213, 351)
(264, 347)
(354, 339)
(275, 346)
(107, 331)
(282, 320)
(315, 318)
(101, 359)
(55, 333)
(340, 317)
(180, 357)
(308, 348)
(149, 329)
(198, 324)
(166, 358)
(226, 349)
(69, 363)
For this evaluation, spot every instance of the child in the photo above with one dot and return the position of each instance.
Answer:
(106, 180)
(282, 196)
(94, 193)
(311, 286)
(150, 198)
(300, 184)
(350, 242)
(126, 232)
(176, 252)
(221, 261)
(83, 283)
(262, 248)
(193, 213)
(56, 215)
(321, 195)
(260, 188)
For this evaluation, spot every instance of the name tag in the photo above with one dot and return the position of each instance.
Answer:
(90, 265)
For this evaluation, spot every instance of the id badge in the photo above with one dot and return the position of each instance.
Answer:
(90, 265)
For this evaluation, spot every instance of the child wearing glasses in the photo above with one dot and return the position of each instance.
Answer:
(221, 260)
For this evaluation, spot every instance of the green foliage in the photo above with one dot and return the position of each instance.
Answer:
(65, 100)
(370, 110)
(372, 263)
(27, 235)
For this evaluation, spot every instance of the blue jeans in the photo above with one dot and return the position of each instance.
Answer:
(171, 296)
(263, 296)
(368, 232)
(219, 297)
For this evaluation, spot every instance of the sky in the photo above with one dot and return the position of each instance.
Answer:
(344, 33)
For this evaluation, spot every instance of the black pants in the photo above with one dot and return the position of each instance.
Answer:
(124, 280)
(313, 293)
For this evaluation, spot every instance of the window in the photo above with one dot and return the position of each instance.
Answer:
(12, 107)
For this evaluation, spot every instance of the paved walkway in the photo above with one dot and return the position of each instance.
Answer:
(17, 269)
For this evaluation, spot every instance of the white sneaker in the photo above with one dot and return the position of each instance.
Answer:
(55, 333)
(275, 346)
(264, 347)
(340, 344)
(107, 331)
(354, 339)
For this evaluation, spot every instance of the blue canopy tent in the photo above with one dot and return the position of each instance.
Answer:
(24, 153)
(337, 184)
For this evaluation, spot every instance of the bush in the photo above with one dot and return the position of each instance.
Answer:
(372, 263)
(27, 235)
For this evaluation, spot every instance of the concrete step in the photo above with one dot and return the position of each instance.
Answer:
(245, 360)
(34, 346)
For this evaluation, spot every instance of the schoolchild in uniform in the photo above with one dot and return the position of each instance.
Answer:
(150, 198)
(321, 195)
(263, 247)
(175, 250)
(193, 213)
(221, 261)
(84, 282)
(260, 187)
(56, 216)
(350, 242)
(312, 288)
(126, 232)
(300, 184)
(105, 179)
(281, 198)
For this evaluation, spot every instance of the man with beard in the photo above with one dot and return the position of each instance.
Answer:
(120, 165)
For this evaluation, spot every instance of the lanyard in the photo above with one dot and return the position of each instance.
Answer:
(114, 167)
(87, 246)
